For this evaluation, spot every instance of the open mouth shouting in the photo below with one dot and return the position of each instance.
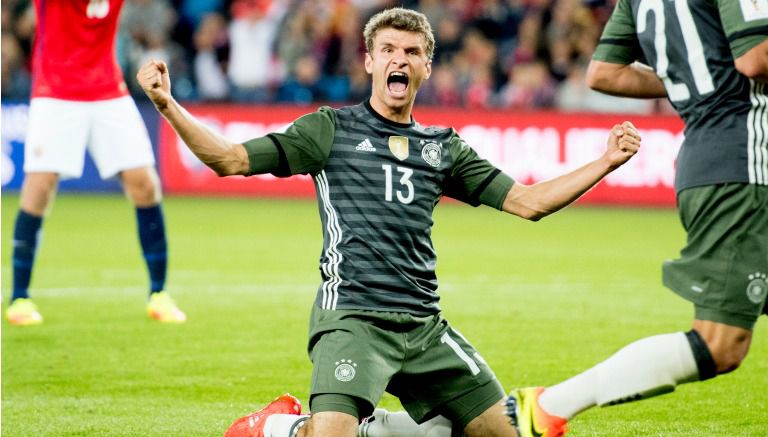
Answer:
(397, 84)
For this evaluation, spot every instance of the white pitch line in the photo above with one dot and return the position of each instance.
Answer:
(177, 287)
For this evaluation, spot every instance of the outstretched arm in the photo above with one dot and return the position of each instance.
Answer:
(625, 80)
(221, 155)
(536, 201)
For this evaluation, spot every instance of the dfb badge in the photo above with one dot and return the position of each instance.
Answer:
(757, 287)
(345, 370)
(432, 153)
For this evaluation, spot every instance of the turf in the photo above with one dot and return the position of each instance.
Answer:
(541, 301)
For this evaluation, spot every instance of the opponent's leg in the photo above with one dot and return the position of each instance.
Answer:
(385, 423)
(142, 186)
(37, 193)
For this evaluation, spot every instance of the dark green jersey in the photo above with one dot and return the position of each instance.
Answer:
(691, 45)
(377, 184)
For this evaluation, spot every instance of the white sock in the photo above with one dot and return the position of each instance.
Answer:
(284, 425)
(400, 424)
(645, 368)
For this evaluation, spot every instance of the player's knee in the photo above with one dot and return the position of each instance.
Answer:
(728, 356)
(145, 195)
(728, 345)
(38, 191)
(142, 187)
(329, 423)
(492, 422)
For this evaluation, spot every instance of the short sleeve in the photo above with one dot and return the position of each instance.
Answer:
(263, 156)
(304, 146)
(745, 23)
(474, 180)
(618, 43)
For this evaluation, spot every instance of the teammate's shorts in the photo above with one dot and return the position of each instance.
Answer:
(723, 269)
(60, 130)
(428, 365)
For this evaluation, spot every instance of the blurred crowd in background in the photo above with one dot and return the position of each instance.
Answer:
(504, 54)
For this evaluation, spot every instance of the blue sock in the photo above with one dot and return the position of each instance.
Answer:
(153, 244)
(25, 236)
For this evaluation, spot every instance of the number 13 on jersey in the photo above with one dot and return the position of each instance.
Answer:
(404, 192)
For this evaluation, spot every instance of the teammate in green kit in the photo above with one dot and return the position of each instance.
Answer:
(376, 324)
(710, 58)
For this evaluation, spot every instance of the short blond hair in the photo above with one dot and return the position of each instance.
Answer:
(400, 19)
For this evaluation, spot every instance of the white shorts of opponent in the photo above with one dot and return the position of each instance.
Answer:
(59, 131)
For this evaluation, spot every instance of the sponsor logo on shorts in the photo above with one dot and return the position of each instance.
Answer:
(757, 287)
(345, 370)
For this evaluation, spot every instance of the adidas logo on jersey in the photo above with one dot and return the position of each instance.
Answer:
(365, 146)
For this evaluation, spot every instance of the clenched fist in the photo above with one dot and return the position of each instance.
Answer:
(156, 82)
(623, 143)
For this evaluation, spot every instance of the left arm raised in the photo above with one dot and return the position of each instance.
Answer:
(536, 201)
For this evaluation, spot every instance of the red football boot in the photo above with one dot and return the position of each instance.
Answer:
(252, 425)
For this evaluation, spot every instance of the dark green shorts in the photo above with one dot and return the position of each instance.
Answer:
(358, 355)
(723, 269)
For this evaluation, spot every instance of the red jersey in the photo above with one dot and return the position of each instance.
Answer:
(74, 50)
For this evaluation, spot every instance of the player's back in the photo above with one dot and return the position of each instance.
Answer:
(74, 53)
(686, 44)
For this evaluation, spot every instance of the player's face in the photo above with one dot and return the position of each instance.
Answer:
(398, 66)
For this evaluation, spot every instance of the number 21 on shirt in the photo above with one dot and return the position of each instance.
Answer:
(691, 40)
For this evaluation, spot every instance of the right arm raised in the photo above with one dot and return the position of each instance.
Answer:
(221, 155)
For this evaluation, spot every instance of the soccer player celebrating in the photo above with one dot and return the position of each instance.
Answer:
(376, 324)
(711, 60)
(79, 100)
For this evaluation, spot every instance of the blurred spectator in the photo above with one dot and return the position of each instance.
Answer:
(16, 83)
(571, 22)
(296, 38)
(529, 87)
(21, 16)
(442, 89)
(345, 45)
(528, 39)
(516, 54)
(498, 20)
(574, 95)
(253, 70)
(479, 93)
(359, 84)
(447, 38)
(480, 72)
(210, 59)
(145, 30)
(302, 87)
(141, 17)
(191, 14)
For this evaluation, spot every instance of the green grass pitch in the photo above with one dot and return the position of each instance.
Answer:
(541, 301)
